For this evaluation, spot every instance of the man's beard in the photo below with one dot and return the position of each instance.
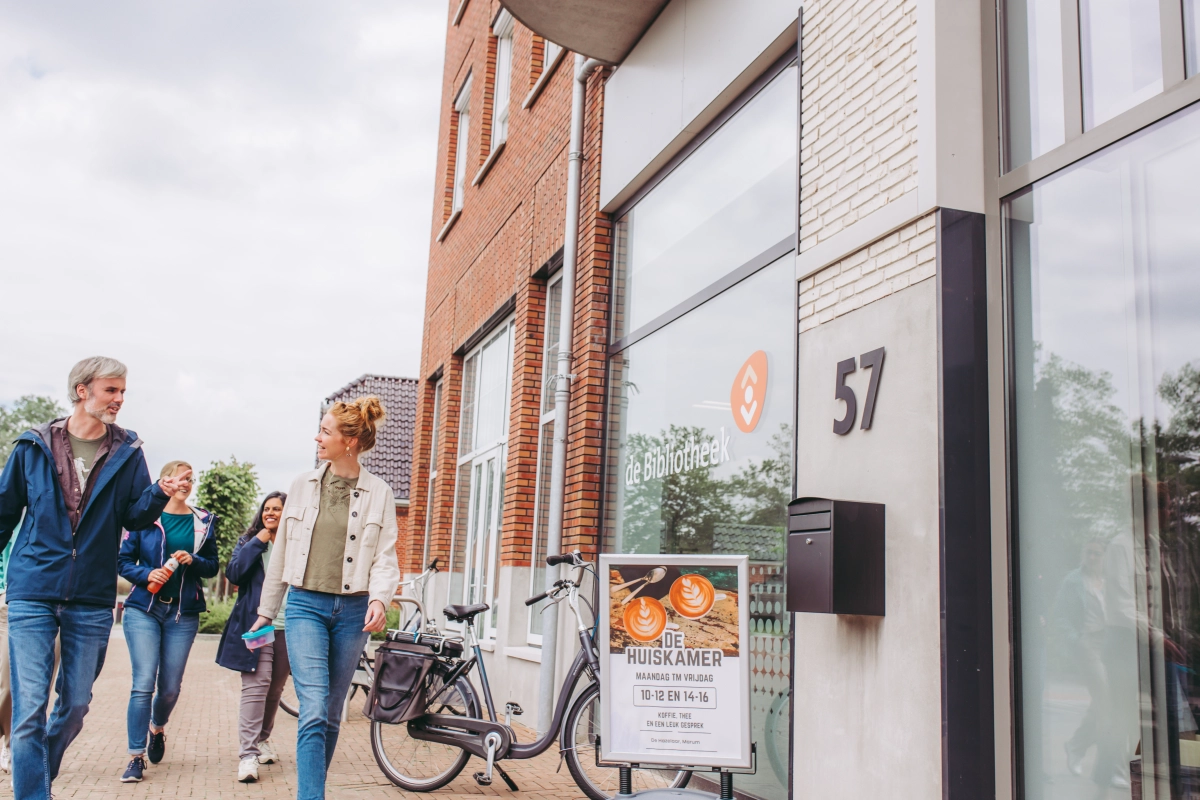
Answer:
(102, 413)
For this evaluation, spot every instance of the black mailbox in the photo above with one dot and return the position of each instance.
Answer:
(835, 557)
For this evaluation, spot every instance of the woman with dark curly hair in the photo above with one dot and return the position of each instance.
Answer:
(265, 670)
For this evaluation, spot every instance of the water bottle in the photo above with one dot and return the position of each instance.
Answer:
(170, 567)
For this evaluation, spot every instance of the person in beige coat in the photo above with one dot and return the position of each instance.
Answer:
(335, 556)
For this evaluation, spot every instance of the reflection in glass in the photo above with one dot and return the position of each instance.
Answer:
(730, 200)
(1107, 378)
(683, 478)
(1033, 79)
(1121, 50)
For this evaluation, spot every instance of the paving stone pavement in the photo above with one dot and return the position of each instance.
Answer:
(202, 751)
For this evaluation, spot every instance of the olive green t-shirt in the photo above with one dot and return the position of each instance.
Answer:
(83, 454)
(327, 550)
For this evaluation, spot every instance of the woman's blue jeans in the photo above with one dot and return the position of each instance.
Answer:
(158, 649)
(324, 639)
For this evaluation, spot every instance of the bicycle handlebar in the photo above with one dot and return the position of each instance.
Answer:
(537, 598)
(433, 565)
(574, 558)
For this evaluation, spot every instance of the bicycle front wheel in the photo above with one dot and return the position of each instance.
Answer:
(600, 783)
(417, 765)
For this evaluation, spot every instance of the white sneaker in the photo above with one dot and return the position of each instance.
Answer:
(5, 757)
(266, 753)
(248, 769)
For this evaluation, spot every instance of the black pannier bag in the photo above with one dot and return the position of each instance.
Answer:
(402, 674)
(398, 692)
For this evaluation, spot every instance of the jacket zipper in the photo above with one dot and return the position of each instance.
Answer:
(162, 559)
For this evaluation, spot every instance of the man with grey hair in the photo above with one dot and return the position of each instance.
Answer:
(77, 481)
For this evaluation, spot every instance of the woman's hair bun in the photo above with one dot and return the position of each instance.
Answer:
(360, 418)
(370, 408)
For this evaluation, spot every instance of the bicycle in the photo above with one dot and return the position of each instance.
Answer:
(364, 675)
(428, 752)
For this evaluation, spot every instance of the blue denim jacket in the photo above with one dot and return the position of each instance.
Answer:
(145, 550)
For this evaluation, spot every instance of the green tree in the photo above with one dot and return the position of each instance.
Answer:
(28, 412)
(229, 490)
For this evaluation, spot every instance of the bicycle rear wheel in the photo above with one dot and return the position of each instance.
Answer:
(417, 765)
(600, 783)
(288, 701)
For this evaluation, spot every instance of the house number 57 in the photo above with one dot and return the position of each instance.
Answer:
(872, 361)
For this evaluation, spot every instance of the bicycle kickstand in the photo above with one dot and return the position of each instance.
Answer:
(485, 778)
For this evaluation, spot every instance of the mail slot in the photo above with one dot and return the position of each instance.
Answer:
(835, 557)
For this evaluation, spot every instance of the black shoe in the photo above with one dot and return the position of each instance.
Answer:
(157, 748)
(133, 773)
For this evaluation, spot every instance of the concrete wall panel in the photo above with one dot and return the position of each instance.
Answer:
(867, 719)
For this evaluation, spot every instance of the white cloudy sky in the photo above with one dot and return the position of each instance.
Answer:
(232, 197)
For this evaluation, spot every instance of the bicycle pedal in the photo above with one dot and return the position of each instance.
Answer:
(482, 779)
(514, 709)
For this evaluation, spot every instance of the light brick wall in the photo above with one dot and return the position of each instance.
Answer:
(858, 150)
(884, 267)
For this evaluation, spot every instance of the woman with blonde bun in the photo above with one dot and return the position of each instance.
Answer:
(335, 558)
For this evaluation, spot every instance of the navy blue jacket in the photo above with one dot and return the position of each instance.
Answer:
(144, 551)
(50, 564)
(245, 570)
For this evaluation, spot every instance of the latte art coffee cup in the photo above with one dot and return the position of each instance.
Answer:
(693, 596)
(645, 619)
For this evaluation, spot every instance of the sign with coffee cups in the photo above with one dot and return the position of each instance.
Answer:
(674, 660)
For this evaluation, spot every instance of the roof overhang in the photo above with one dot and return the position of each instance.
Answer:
(602, 29)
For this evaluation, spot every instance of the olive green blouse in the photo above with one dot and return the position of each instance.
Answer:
(327, 550)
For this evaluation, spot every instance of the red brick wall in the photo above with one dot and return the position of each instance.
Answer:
(511, 224)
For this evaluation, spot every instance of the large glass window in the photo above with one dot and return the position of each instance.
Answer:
(1121, 52)
(1106, 346)
(698, 464)
(479, 494)
(1033, 79)
(730, 200)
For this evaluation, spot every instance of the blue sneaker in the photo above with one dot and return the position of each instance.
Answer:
(157, 747)
(133, 773)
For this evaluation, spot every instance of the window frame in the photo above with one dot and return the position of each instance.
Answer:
(502, 29)
(546, 420)
(480, 452)
(462, 130)
(435, 435)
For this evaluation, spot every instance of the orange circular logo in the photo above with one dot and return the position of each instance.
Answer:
(692, 596)
(645, 619)
(749, 392)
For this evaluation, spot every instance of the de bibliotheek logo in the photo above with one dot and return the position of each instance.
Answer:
(749, 392)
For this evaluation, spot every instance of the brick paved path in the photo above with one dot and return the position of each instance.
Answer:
(202, 749)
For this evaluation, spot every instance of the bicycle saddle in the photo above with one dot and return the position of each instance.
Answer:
(464, 613)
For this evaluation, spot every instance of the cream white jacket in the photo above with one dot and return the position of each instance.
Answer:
(369, 564)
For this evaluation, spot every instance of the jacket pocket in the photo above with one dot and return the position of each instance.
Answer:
(293, 521)
(372, 525)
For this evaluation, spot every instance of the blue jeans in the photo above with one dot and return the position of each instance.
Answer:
(158, 650)
(38, 747)
(324, 639)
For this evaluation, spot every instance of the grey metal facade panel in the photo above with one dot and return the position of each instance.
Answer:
(602, 29)
(391, 458)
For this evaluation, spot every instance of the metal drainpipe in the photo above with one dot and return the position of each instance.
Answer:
(562, 387)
